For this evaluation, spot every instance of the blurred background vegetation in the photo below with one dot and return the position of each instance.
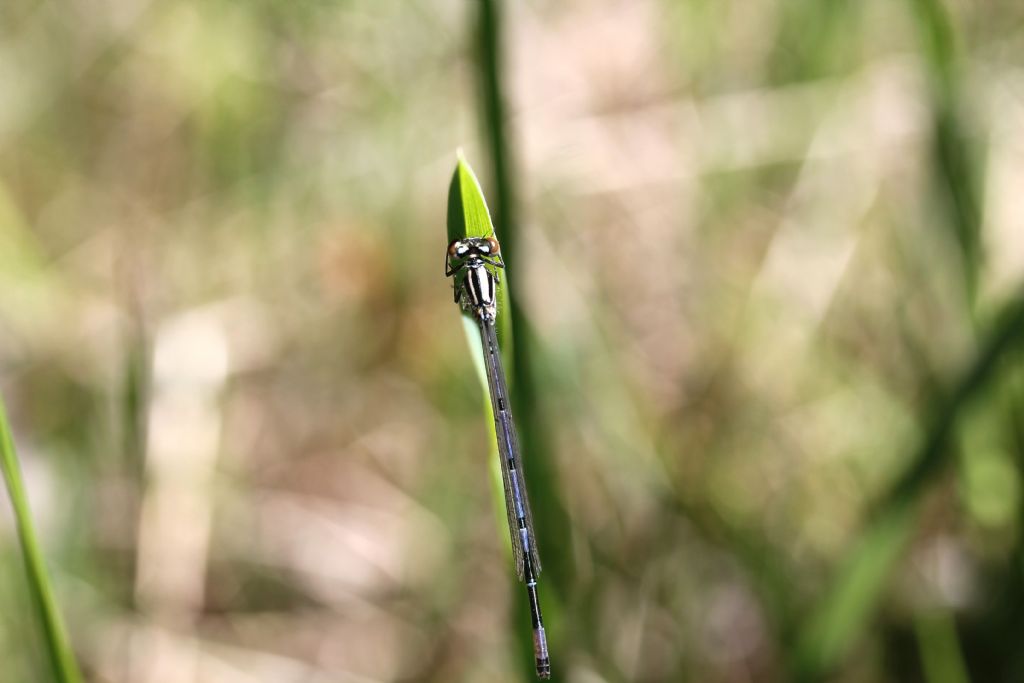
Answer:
(767, 259)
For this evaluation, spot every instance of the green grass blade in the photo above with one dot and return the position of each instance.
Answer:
(468, 216)
(62, 660)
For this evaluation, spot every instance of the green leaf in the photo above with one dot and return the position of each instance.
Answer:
(468, 216)
(62, 660)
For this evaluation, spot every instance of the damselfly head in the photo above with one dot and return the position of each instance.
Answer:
(469, 246)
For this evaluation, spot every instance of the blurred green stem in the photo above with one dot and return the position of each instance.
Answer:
(551, 522)
(62, 660)
(941, 657)
(548, 512)
(955, 174)
(493, 103)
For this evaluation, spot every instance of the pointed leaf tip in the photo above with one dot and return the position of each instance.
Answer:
(468, 215)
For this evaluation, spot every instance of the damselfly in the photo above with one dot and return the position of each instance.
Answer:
(473, 262)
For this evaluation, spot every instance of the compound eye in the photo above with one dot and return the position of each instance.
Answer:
(493, 245)
(453, 247)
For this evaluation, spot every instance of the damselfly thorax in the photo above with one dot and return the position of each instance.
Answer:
(474, 263)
